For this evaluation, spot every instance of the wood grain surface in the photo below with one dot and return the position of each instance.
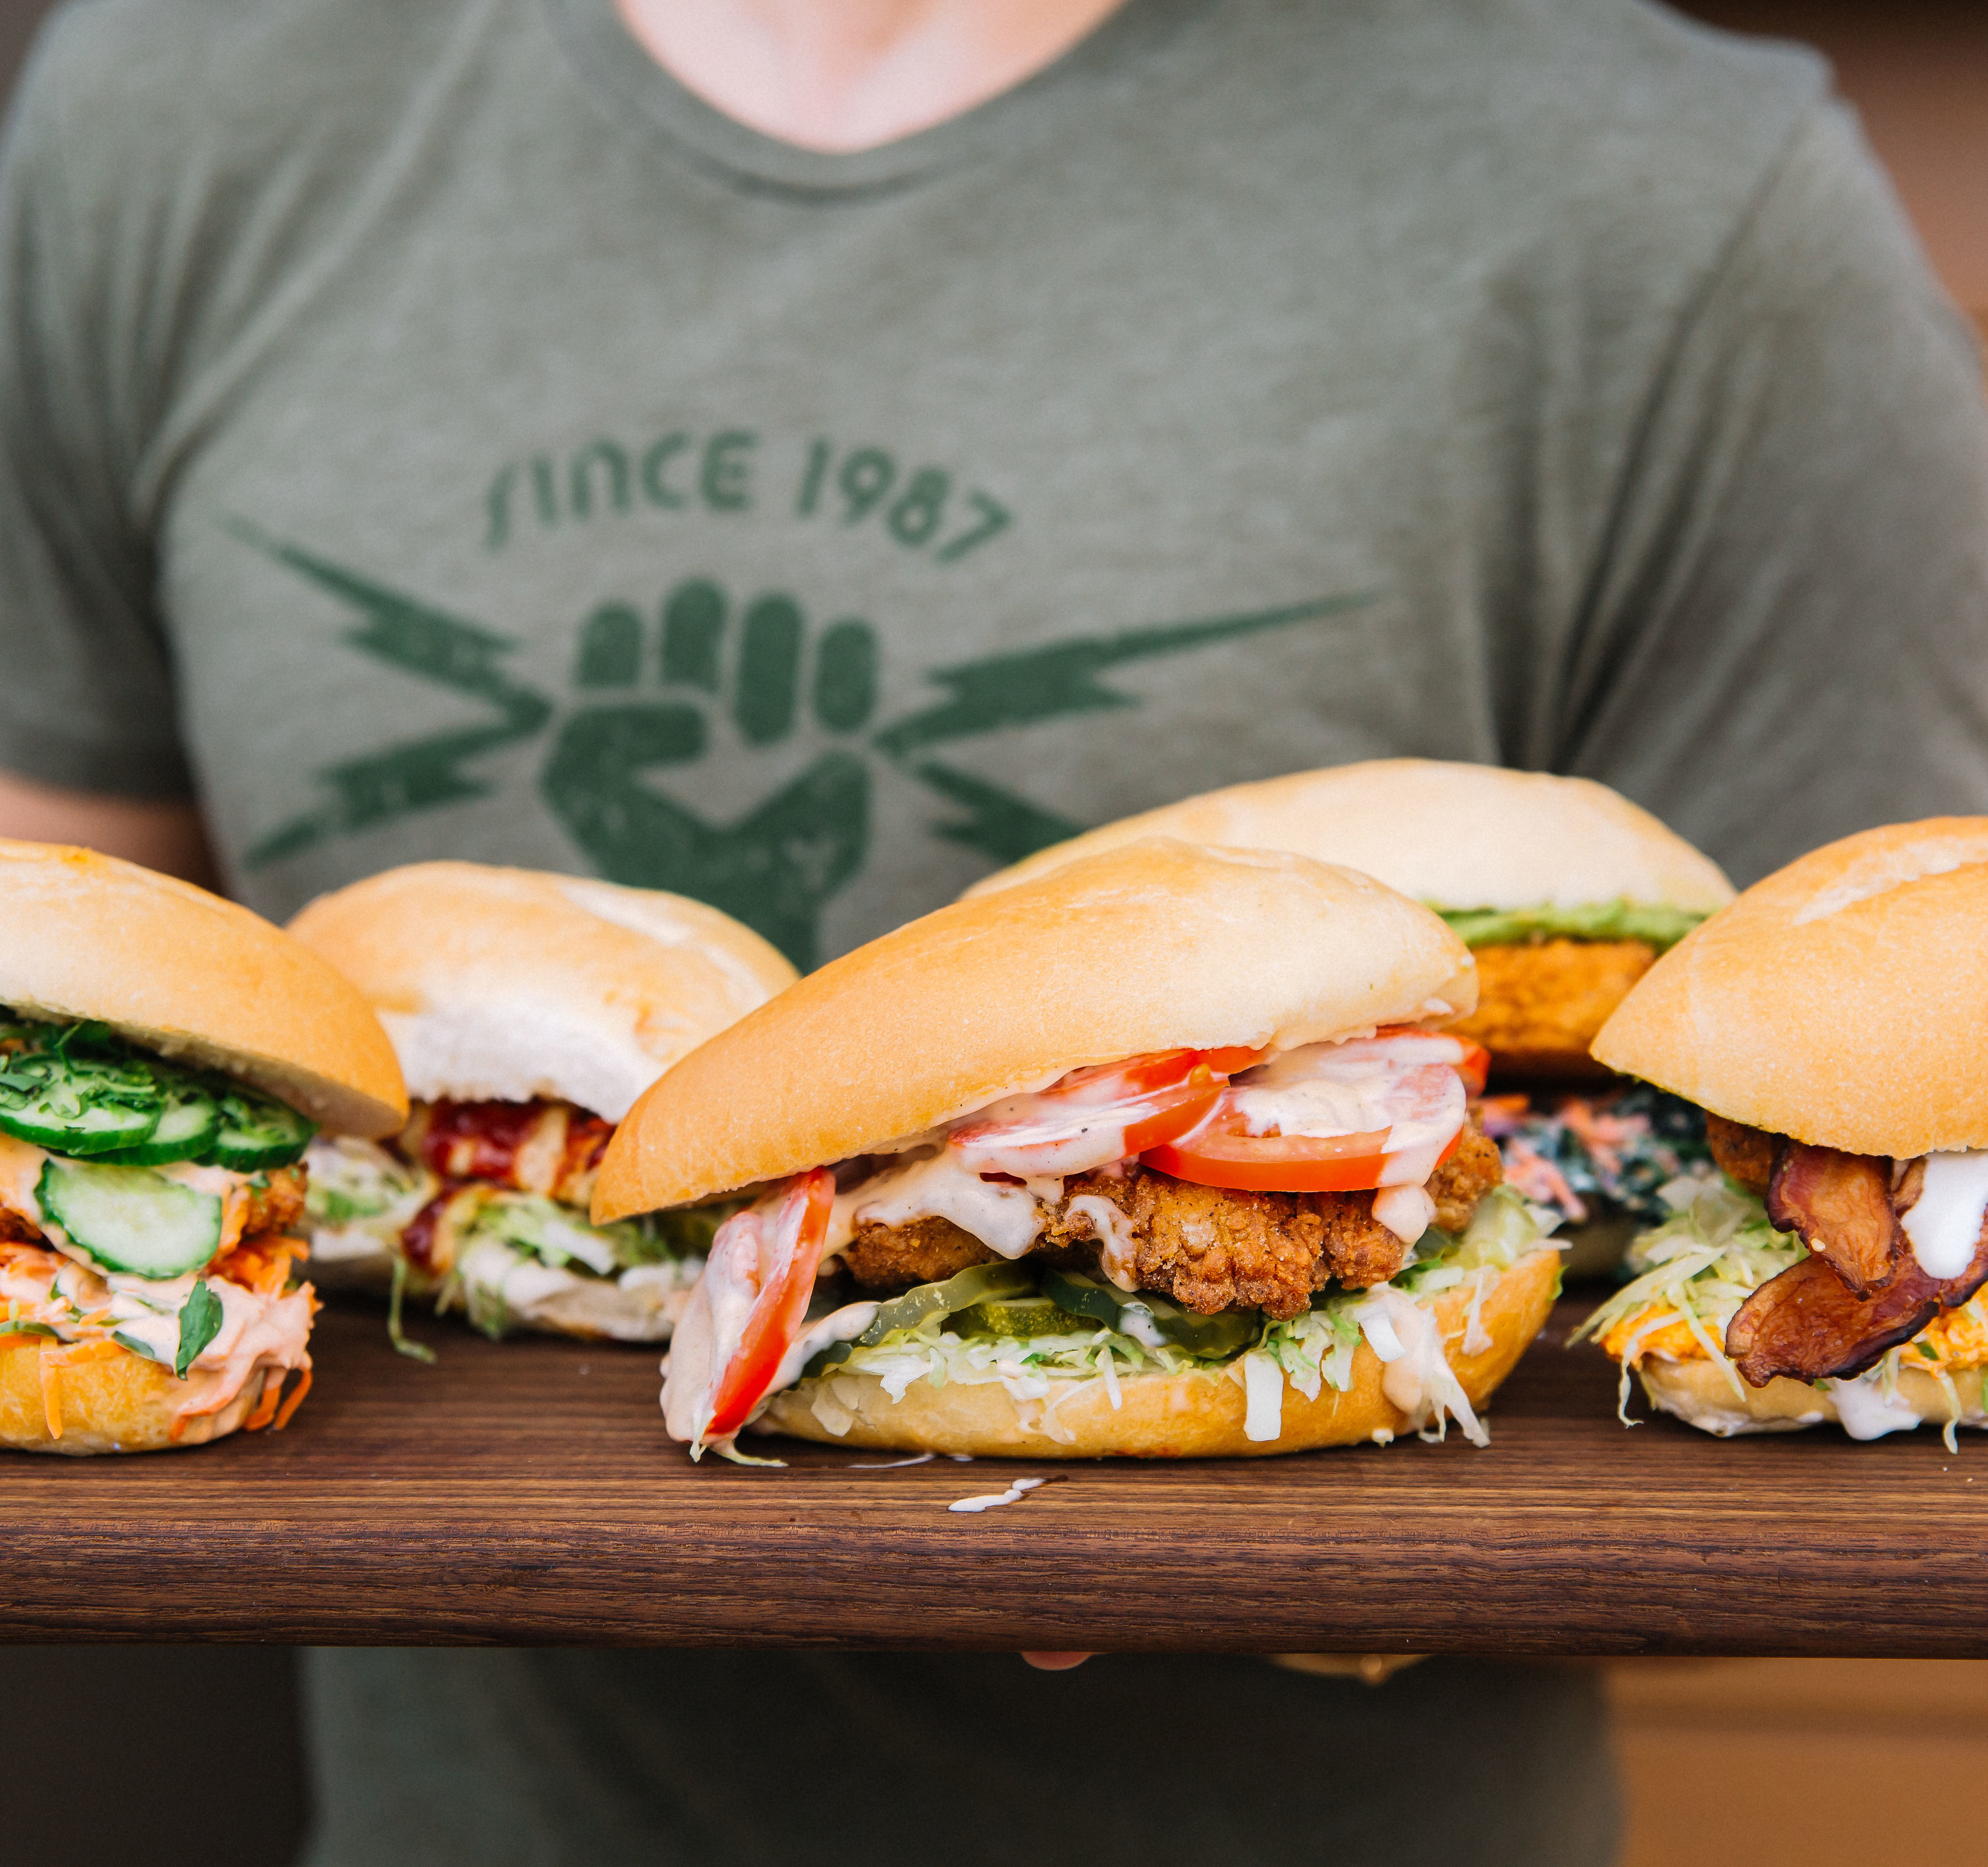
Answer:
(525, 1492)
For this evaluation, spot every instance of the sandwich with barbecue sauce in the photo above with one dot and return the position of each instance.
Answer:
(1565, 892)
(165, 1058)
(1166, 1151)
(528, 1011)
(1833, 1022)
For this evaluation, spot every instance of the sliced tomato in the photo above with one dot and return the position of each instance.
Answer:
(1472, 1061)
(1403, 1081)
(777, 1258)
(1225, 1154)
(1095, 1116)
(1475, 1067)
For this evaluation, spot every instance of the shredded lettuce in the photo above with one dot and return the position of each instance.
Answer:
(1715, 1250)
(362, 1196)
(1043, 1372)
(1616, 920)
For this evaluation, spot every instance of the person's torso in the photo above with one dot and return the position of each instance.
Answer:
(546, 470)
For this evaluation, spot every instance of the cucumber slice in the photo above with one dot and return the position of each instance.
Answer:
(258, 1132)
(130, 1217)
(73, 1110)
(189, 1127)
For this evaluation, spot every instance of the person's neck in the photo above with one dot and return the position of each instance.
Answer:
(844, 75)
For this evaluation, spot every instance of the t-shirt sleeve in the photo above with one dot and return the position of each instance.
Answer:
(87, 695)
(1786, 640)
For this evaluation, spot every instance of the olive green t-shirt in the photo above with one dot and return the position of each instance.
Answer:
(426, 429)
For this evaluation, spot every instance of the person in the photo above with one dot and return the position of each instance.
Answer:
(804, 455)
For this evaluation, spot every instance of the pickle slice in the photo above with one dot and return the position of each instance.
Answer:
(1226, 1333)
(974, 1284)
(1020, 1318)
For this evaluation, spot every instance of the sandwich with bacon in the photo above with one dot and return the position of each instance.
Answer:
(528, 1011)
(1166, 1151)
(165, 1058)
(1834, 1024)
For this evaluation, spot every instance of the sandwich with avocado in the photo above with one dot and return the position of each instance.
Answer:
(166, 1058)
(528, 1011)
(1166, 1151)
(1833, 1024)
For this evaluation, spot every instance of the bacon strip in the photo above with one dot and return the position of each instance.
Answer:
(1839, 1206)
(1805, 1323)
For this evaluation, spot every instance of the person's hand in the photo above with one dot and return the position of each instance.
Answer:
(1055, 1662)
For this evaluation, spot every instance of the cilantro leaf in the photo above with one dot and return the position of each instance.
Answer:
(200, 1323)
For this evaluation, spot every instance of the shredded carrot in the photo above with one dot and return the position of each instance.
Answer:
(264, 1409)
(261, 1263)
(49, 1366)
(296, 1398)
(1673, 1342)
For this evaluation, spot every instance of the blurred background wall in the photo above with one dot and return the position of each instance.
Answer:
(1727, 1763)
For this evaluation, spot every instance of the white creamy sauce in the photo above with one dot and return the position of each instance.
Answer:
(1406, 1087)
(991, 1501)
(1865, 1410)
(1118, 1246)
(1945, 1221)
(842, 1325)
(1263, 1396)
(1416, 1375)
(1407, 1211)
(1007, 1219)
(521, 1282)
(20, 1164)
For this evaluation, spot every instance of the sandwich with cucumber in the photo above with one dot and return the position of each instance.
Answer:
(1833, 1024)
(166, 1058)
(528, 1011)
(1167, 1152)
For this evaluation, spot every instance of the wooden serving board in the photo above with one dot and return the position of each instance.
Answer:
(525, 1492)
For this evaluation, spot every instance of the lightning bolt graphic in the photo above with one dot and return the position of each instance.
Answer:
(1030, 684)
(413, 636)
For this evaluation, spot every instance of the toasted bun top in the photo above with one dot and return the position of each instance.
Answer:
(1156, 947)
(1455, 836)
(509, 984)
(1843, 1000)
(184, 972)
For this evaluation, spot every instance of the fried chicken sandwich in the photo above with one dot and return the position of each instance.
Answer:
(1834, 1024)
(1165, 1151)
(1564, 890)
(529, 1010)
(165, 1058)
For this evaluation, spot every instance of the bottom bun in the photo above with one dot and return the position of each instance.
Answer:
(1197, 1415)
(642, 1304)
(116, 1402)
(1699, 1393)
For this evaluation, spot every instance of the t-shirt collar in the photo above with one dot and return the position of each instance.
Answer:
(610, 59)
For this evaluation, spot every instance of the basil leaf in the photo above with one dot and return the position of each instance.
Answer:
(200, 1323)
